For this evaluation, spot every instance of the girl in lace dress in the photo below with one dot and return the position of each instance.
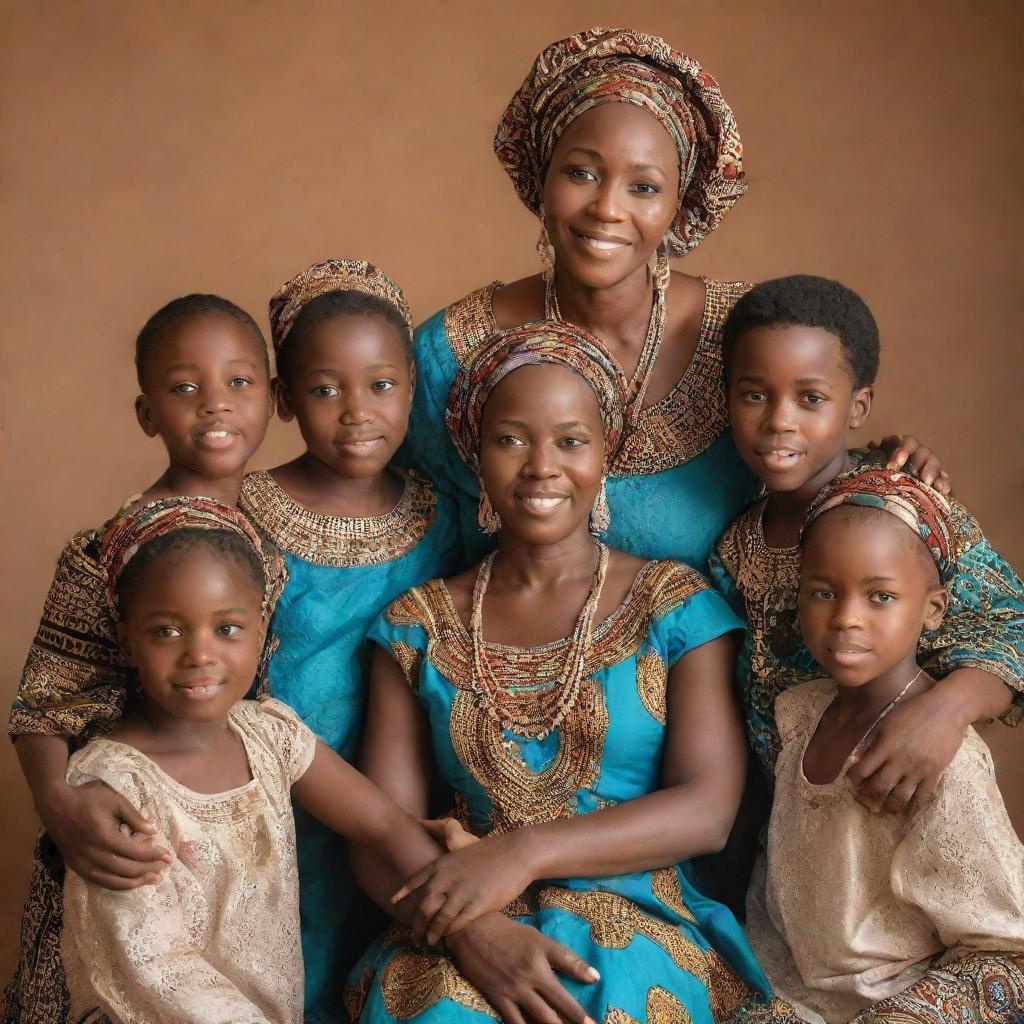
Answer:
(215, 939)
(913, 916)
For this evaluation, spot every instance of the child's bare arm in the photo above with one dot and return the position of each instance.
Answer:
(85, 821)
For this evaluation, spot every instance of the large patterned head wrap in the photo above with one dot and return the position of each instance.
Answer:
(331, 276)
(527, 345)
(129, 532)
(604, 65)
(917, 505)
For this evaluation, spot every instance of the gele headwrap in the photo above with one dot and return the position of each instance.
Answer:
(138, 526)
(331, 276)
(527, 345)
(621, 65)
(921, 507)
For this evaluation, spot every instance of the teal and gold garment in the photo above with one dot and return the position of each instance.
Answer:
(983, 627)
(674, 485)
(664, 951)
(341, 573)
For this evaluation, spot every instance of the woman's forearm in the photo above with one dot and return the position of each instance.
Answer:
(650, 832)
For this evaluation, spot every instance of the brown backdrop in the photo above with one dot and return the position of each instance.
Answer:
(157, 148)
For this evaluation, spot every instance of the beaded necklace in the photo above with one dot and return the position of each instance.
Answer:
(524, 708)
(652, 339)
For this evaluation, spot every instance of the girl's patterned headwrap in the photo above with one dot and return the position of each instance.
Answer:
(127, 533)
(624, 66)
(527, 345)
(921, 507)
(330, 276)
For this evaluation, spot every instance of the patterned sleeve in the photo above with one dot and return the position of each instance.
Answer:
(687, 612)
(984, 624)
(399, 630)
(960, 863)
(74, 677)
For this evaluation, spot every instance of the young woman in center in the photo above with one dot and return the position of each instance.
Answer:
(579, 701)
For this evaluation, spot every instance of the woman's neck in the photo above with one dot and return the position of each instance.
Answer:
(181, 481)
(619, 313)
(519, 564)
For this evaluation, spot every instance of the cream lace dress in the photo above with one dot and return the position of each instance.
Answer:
(854, 906)
(216, 941)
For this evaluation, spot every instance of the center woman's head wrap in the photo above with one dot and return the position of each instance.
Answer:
(331, 276)
(917, 505)
(624, 66)
(548, 341)
(131, 531)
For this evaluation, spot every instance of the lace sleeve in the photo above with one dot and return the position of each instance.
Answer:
(960, 863)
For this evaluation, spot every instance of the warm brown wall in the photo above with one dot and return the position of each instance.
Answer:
(157, 148)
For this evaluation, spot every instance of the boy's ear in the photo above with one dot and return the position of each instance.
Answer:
(284, 406)
(126, 646)
(935, 609)
(145, 416)
(860, 406)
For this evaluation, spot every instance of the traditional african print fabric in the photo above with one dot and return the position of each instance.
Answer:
(216, 939)
(625, 66)
(658, 943)
(329, 276)
(983, 627)
(341, 573)
(852, 908)
(75, 684)
(675, 481)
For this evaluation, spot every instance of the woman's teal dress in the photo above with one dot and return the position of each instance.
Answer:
(341, 573)
(677, 481)
(664, 951)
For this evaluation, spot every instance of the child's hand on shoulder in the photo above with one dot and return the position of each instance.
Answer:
(103, 838)
(912, 746)
(906, 453)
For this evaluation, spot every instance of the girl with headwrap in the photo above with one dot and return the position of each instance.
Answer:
(579, 702)
(215, 938)
(355, 534)
(914, 916)
(628, 154)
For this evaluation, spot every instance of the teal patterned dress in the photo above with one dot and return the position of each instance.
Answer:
(983, 627)
(664, 951)
(341, 574)
(677, 481)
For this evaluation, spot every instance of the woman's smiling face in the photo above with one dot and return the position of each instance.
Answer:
(542, 452)
(611, 193)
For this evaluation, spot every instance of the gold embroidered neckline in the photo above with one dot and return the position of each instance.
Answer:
(670, 432)
(339, 541)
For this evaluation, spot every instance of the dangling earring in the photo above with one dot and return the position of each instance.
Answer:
(485, 514)
(600, 516)
(659, 269)
(545, 250)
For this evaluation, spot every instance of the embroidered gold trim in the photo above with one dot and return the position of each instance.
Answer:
(413, 981)
(408, 659)
(518, 795)
(339, 541)
(651, 682)
(666, 888)
(662, 1008)
(470, 322)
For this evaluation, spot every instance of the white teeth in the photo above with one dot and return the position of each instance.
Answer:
(217, 433)
(543, 503)
(599, 243)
